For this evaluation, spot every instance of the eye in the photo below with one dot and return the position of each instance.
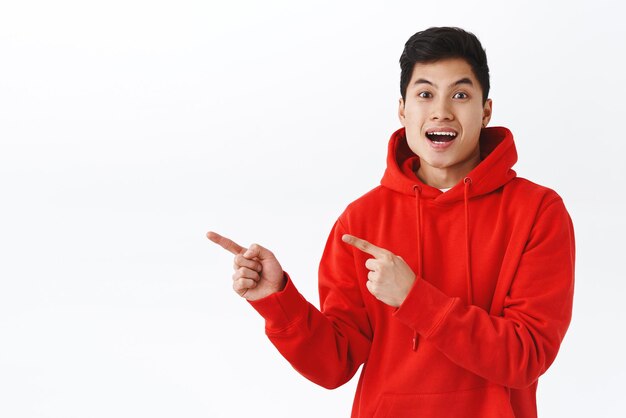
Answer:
(424, 95)
(456, 95)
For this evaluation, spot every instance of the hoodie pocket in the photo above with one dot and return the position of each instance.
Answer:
(485, 402)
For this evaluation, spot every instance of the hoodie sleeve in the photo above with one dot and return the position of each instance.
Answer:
(512, 349)
(327, 346)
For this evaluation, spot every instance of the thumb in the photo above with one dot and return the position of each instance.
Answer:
(259, 252)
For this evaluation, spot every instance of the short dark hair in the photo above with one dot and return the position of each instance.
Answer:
(438, 43)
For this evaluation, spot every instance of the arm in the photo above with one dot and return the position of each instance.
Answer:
(516, 347)
(327, 346)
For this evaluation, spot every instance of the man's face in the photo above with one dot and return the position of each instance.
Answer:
(444, 97)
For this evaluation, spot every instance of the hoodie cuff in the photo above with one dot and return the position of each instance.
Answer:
(281, 309)
(424, 308)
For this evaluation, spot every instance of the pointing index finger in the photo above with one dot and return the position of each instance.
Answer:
(227, 244)
(363, 245)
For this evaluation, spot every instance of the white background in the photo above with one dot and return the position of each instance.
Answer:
(130, 128)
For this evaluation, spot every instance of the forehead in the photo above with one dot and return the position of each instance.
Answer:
(443, 72)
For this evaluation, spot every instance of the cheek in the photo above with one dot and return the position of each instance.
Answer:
(414, 123)
(472, 118)
(414, 114)
(412, 129)
(415, 108)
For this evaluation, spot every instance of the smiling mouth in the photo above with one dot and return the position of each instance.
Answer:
(441, 137)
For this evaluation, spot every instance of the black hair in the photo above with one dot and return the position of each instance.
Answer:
(438, 43)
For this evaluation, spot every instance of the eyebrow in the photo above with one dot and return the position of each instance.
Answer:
(464, 80)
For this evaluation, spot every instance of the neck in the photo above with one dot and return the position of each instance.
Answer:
(444, 178)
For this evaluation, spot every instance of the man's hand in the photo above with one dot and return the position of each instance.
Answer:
(390, 278)
(257, 272)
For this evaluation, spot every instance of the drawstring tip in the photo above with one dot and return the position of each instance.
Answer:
(415, 342)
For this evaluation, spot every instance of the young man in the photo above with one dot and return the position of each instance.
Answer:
(452, 281)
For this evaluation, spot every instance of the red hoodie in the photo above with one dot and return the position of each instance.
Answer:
(492, 300)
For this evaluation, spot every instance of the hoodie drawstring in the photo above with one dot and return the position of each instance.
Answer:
(418, 216)
(468, 259)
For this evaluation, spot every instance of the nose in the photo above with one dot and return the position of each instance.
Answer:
(441, 110)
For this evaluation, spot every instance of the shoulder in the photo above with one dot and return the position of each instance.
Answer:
(521, 189)
(375, 196)
(532, 201)
(377, 200)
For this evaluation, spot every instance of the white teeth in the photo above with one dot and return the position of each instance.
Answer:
(443, 133)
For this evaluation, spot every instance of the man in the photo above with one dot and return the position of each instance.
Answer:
(452, 281)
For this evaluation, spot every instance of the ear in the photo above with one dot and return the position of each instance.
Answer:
(401, 111)
(487, 109)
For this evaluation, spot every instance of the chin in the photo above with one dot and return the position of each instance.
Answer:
(439, 166)
(434, 163)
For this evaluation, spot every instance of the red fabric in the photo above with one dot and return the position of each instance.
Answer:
(490, 307)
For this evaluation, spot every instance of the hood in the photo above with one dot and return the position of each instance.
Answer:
(498, 155)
